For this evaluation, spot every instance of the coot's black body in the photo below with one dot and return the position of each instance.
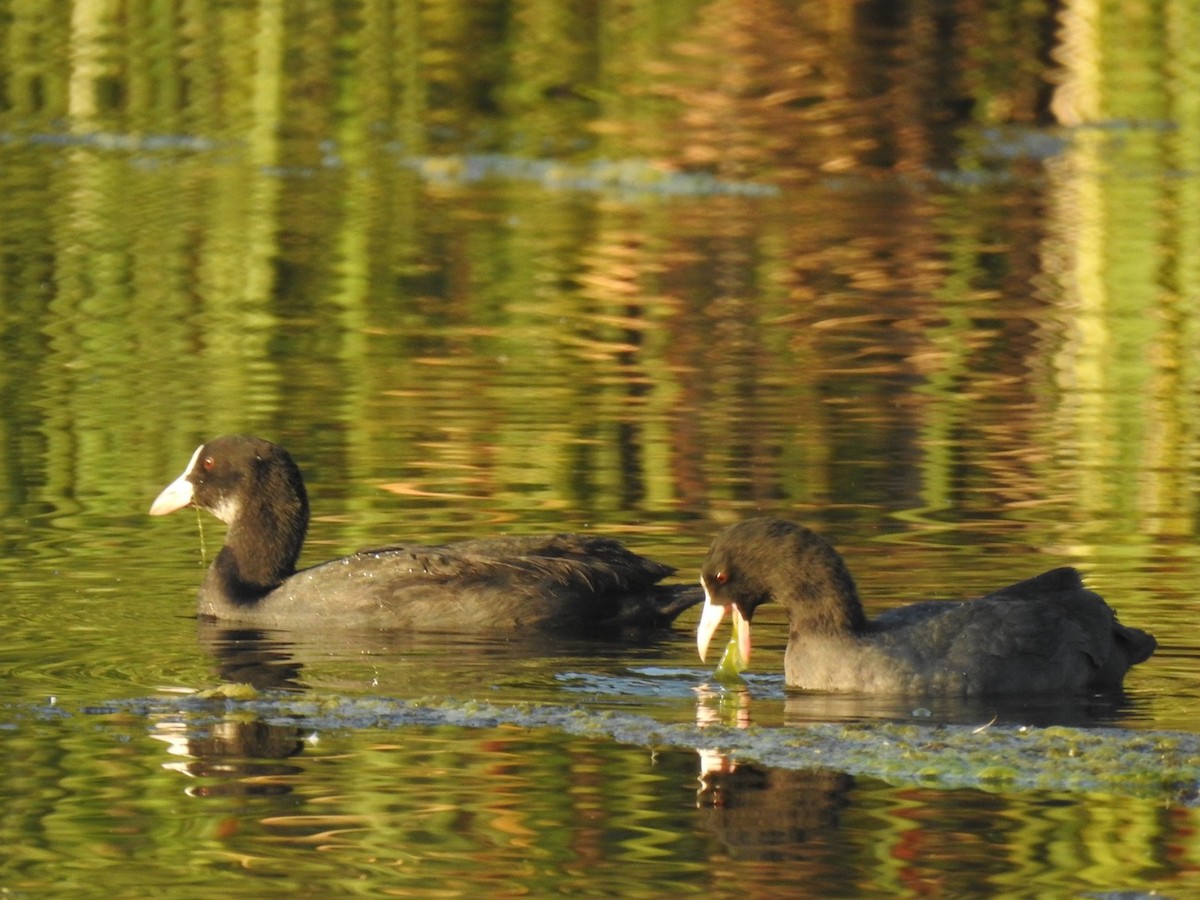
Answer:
(561, 582)
(1047, 634)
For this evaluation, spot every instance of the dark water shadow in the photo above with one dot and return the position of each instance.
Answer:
(764, 699)
(761, 813)
(1094, 710)
(237, 757)
(431, 662)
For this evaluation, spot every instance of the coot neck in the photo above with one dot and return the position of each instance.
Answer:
(825, 597)
(263, 542)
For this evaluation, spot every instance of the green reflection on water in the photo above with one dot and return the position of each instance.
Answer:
(643, 269)
(285, 272)
(186, 799)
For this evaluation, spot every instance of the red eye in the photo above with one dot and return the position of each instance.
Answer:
(722, 577)
(207, 463)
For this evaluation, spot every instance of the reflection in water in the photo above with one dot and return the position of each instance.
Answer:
(231, 757)
(774, 814)
(732, 706)
(870, 342)
(922, 277)
(722, 705)
(617, 667)
(230, 754)
(568, 795)
(256, 658)
(1078, 712)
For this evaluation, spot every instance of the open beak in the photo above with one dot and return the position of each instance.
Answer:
(711, 618)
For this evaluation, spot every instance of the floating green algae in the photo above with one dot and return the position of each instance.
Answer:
(996, 759)
(230, 691)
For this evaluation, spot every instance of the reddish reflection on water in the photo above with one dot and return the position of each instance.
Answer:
(921, 276)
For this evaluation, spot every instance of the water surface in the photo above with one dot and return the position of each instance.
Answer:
(924, 280)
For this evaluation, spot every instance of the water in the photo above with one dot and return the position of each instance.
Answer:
(902, 275)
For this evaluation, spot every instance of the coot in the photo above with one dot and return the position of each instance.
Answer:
(564, 581)
(1047, 634)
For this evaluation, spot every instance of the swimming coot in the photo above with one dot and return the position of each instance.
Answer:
(564, 581)
(1047, 634)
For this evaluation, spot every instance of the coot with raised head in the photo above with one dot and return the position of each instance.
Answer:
(1045, 635)
(560, 582)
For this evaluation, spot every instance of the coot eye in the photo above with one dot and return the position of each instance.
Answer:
(722, 577)
(207, 463)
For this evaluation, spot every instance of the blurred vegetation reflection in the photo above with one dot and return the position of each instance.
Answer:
(668, 257)
(903, 270)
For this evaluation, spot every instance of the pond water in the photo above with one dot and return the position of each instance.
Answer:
(923, 278)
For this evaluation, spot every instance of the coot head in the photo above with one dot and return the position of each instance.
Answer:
(763, 560)
(255, 487)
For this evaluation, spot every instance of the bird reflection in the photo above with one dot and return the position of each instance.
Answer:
(236, 755)
(249, 656)
(1090, 711)
(722, 706)
(769, 814)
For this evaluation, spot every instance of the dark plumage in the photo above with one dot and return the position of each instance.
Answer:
(1047, 634)
(564, 581)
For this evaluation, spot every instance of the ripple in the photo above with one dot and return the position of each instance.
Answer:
(1064, 759)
